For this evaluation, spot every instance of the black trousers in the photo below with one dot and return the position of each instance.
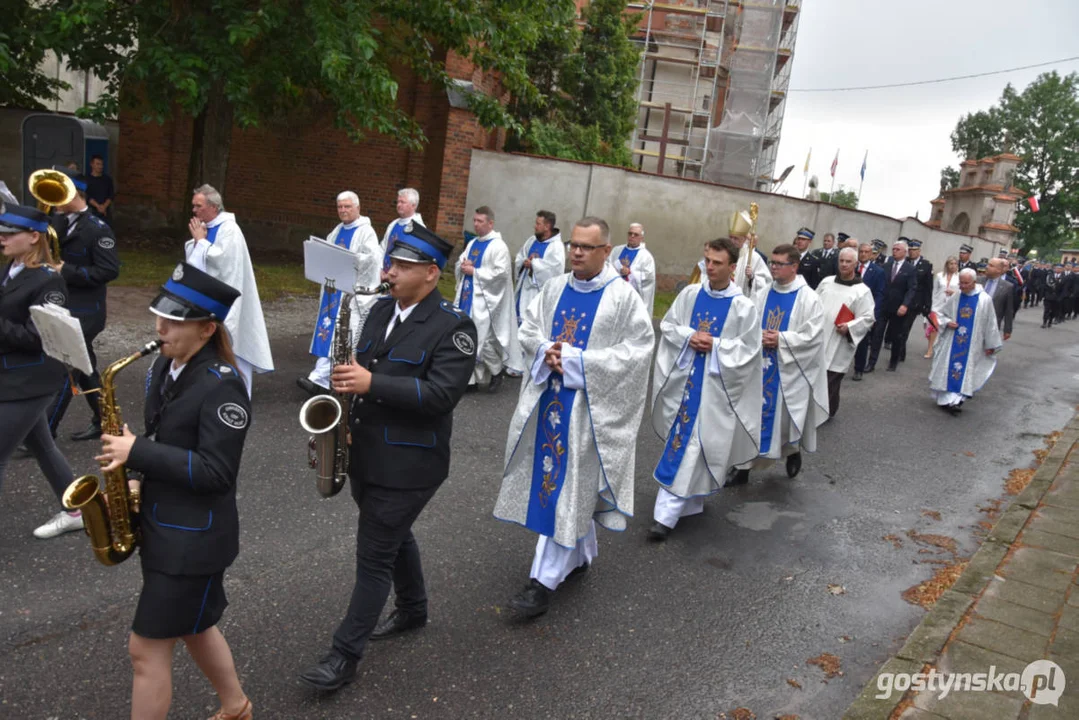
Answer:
(890, 326)
(834, 380)
(385, 551)
(58, 407)
(1049, 312)
(861, 353)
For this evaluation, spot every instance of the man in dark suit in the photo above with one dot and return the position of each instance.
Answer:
(413, 362)
(89, 263)
(809, 264)
(964, 257)
(923, 292)
(900, 284)
(1050, 292)
(828, 256)
(873, 276)
(1002, 294)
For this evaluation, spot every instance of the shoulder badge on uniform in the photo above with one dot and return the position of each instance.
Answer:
(464, 342)
(106, 243)
(232, 415)
(450, 308)
(55, 297)
(178, 273)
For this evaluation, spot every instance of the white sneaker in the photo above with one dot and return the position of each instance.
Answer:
(60, 523)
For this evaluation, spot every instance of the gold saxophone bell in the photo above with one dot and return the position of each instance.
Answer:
(51, 188)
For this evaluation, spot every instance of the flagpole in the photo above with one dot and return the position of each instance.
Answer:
(862, 181)
(831, 192)
(835, 163)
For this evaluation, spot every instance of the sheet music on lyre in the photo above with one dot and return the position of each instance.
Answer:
(324, 261)
(61, 336)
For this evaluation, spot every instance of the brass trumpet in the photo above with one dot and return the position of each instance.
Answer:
(51, 188)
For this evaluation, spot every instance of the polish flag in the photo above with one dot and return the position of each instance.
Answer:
(835, 163)
(1033, 201)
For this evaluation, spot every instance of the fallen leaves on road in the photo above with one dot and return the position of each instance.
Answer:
(787, 717)
(933, 514)
(827, 662)
(837, 589)
(743, 714)
(968, 453)
(895, 540)
(941, 541)
(794, 684)
(927, 593)
(845, 638)
(1018, 480)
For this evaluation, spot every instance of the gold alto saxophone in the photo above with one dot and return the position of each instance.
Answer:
(326, 416)
(106, 511)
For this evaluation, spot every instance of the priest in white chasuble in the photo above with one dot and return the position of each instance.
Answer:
(706, 399)
(408, 199)
(541, 258)
(355, 234)
(636, 265)
(965, 354)
(571, 447)
(849, 311)
(485, 293)
(795, 389)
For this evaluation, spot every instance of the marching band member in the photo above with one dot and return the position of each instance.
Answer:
(29, 378)
(407, 202)
(88, 262)
(355, 234)
(635, 263)
(485, 293)
(197, 412)
(413, 360)
(570, 454)
(706, 400)
(217, 247)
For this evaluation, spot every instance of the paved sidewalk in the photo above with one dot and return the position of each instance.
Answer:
(1016, 602)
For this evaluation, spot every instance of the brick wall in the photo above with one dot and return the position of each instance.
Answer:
(282, 181)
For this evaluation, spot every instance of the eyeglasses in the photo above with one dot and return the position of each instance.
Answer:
(634, 234)
(584, 248)
(775, 263)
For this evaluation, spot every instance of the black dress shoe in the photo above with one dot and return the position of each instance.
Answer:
(309, 387)
(857, 377)
(22, 452)
(794, 464)
(869, 369)
(397, 623)
(578, 571)
(891, 368)
(658, 532)
(331, 672)
(92, 432)
(738, 477)
(533, 600)
(496, 384)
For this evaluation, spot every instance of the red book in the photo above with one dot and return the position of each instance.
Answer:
(934, 321)
(845, 315)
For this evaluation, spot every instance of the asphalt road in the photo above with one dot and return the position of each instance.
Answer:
(719, 617)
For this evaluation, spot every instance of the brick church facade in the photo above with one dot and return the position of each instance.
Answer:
(282, 182)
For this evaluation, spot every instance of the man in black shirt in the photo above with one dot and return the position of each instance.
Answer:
(99, 190)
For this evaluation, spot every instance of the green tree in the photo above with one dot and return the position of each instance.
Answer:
(600, 79)
(1041, 125)
(247, 62)
(949, 178)
(843, 197)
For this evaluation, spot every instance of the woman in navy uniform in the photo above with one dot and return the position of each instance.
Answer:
(197, 413)
(413, 362)
(29, 378)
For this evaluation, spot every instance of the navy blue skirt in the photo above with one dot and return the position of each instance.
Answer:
(172, 606)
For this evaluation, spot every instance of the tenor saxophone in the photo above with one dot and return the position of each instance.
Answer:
(326, 416)
(107, 510)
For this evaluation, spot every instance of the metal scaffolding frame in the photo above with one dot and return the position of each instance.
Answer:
(682, 55)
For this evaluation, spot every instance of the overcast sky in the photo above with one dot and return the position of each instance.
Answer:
(843, 43)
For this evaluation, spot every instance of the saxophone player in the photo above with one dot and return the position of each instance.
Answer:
(413, 360)
(197, 413)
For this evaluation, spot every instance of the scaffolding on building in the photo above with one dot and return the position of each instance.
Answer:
(713, 82)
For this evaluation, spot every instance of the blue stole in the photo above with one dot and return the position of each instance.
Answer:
(709, 315)
(321, 343)
(776, 316)
(539, 247)
(211, 234)
(476, 256)
(571, 326)
(627, 257)
(395, 234)
(957, 361)
(344, 238)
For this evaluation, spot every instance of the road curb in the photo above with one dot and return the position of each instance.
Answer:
(925, 643)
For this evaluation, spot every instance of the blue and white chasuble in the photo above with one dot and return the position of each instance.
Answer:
(475, 255)
(960, 350)
(709, 315)
(626, 258)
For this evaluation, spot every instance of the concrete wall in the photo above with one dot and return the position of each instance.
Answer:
(678, 215)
